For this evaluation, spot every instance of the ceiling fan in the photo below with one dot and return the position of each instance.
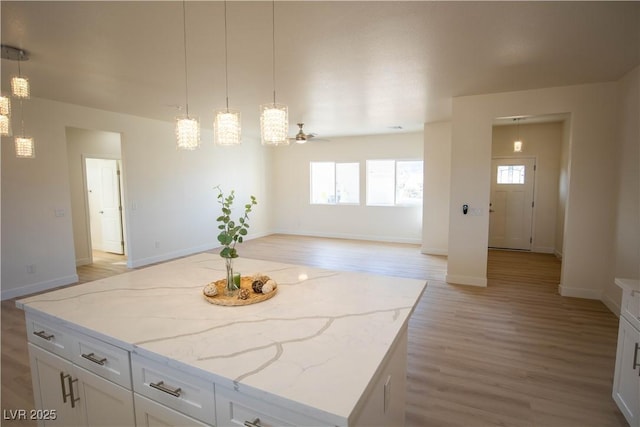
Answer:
(302, 137)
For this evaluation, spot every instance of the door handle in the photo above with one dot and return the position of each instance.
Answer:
(71, 396)
(102, 212)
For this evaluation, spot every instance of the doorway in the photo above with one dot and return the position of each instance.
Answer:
(104, 200)
(95, 163)
(511, 204)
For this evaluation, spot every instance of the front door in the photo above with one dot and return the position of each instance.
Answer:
(511, 209)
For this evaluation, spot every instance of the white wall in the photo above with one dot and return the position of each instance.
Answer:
(627, 235)
(590, 213)
(169, 194)
(437, 176)
(544, 142)
(293, 214)
(84, 142)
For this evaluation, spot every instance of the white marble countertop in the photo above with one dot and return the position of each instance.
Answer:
(315, 345)
(628, 284)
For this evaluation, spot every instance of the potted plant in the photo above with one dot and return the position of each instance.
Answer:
(231, 232)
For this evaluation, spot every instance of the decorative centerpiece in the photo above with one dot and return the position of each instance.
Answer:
(230, 234)
(235, 289)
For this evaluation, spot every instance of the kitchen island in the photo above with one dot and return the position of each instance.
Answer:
(145, 348)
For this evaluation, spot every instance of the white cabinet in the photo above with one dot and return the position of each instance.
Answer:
(52, 388)
(626, 380)
(87, 395)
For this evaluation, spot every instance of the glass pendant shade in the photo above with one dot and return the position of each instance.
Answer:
(5, 125)
(274, 124)
(5, 106)
(25, 147)
(226, 127)
(517, 146)
(20, 87)
(187, 133)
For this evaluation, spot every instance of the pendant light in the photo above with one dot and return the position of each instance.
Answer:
(5, 116)
(19, 84)
(274, 118)
(226, 124)
(517, 144)
(187, 127)
(25, 146)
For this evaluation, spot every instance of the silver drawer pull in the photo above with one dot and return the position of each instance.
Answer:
(635, 357)
(92, 357)
(160, 386)
(43, 335)
(254, 423)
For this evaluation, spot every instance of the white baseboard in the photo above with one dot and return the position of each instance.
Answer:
(466, 280)
(611, 304)
(168, 256)
(83, 261)
(434, 251)
(543, 250)
(557, 254)
(367, 237)
(566, 291)
(38, 287)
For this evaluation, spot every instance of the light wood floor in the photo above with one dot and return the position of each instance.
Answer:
(512, 354)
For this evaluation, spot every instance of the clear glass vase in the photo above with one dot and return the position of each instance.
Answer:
(232, 288)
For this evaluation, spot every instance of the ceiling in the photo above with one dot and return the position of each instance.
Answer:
(343, 68)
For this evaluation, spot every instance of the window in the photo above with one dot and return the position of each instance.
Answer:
(511, 174)
(391, 182)
(335, 183)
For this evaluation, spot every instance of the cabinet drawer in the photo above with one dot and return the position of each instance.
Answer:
(150, 413)
(53, 338)
(631, 307)
(234, 408)
(103, 359)
(171, 387)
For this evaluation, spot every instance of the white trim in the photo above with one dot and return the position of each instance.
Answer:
(434, 251)
(38, 287)
(558, 254)
(367, 237)
(543, 250)
(611, 305)
(466, 280)
(566, 291)
(83, 261)
(131, 263)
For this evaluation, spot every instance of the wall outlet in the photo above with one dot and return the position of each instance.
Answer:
(157, 244)
(476, 211)
(59, 213)
(31, 268)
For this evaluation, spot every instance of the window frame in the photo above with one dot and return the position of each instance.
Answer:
(335, 184)
(395, 183)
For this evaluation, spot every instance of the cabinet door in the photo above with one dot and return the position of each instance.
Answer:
(104, 403)
(626, 382)
(51, 377)
(152, 414)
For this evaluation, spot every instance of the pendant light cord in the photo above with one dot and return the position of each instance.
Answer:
(273, 40)
(184, 34)
(226, 57)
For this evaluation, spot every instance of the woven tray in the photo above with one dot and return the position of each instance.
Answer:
(245, 283)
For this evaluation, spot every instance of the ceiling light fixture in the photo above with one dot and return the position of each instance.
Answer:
(19, 83)
(187, 128)
(25, 146)
(517, 144)
(274, 118)
(226, 124)
(5, 114)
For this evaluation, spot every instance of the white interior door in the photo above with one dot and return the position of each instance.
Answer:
(105, 212)
(511, 210)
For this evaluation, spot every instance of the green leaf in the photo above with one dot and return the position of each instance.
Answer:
(225, 253)
(231, 224)
(240, 239)
(221, 227)
(243, 232)
(220, 218)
